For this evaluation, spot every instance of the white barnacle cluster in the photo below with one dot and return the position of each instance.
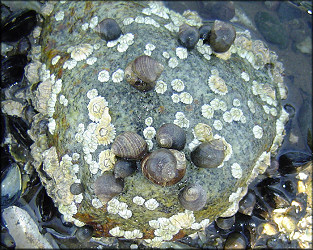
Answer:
(236, 114)
(234, 199)
(123, 42)
(181, 120)
(91, 60)
(218, 125)
(265, 91)
(149, 121)
(236, 171)
(173, 62)
(80, 52)
(96, 203)
(106, 160)
(114, 206)
(70, 64)
(59, 15)
(204, 49)
(139, 200)
(99, 132)
(217, 104)
(149, 132)
(68, 211)
(236, 102)
(128, 20)
(166, 228)
(157, 9)
(228, 149)
(118, 76)
(217, 85)
(151, 204)
(257, 132)
(207, 111)
(181, 53)
(178, 85)
(104, 76)
(280, 126)
(117, 232)
(185, 98)
(251, 106)
(160, 87)
(148, 49)
(63, 100)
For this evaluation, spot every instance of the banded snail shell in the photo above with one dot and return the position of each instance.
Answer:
(129, 145)
(192, 197)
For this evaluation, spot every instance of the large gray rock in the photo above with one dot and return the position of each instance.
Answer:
(238, 94)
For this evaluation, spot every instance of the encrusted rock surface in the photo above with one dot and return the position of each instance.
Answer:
(237, 94)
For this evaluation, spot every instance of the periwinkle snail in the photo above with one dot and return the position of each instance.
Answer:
(164, 167)
(188, 36)
(222, 36)
(209, 154)
(143, 72)
(170, 135)
(123, 168)
(106, 187)
(192, 197)
(108, 29)
(129, 145)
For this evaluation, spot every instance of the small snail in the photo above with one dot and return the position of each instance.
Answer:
(76, 188)
(188, 36)
(108, 29)
(164, 167)
(124, 168)
(192, 197)
(235, 240)
(143, 72)
(209, 154)
(205, 31)
(106, 187)
(129, 145)
(170, 135)
(222, 36)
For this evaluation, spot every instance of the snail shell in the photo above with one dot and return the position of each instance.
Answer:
(108, 29)
(209, 154)
(222, 36)
(76, 188)
(225, 223)
(170, 135)
(163, 168)
(129, 145)
(192, 197)
(188, 36)
(143, 72)
(106, 187)
(124, 168)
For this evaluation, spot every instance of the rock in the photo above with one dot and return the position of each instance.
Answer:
(91, 103)
(223, 10)
(271, 29)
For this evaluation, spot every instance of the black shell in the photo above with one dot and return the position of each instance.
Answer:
(188, 36)
(209, 154)
(222, 36)
(106, 187)
(18, 25)
(235, 241)
(124, 168)
(109, 29)
(170, 135)
(192, 197)
(161, 168)
(225, 222)
(12, 69)
(205, 31)
(129, 145)
(143, 72)
(246, 205)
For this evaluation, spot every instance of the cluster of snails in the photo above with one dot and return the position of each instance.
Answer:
(220, 36)
(165, 166)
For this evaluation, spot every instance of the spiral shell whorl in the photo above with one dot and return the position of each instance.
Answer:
(192, 197)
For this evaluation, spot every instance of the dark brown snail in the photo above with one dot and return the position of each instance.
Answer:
(124, 168)
(188, 36)
(106, 187)
(164, 167)
(129, 145)
(143, 72)
(209, 154)
(192, 197)
(225, 223)
(170, 135)
(76, 188)
(108, 29)
(222, 36)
